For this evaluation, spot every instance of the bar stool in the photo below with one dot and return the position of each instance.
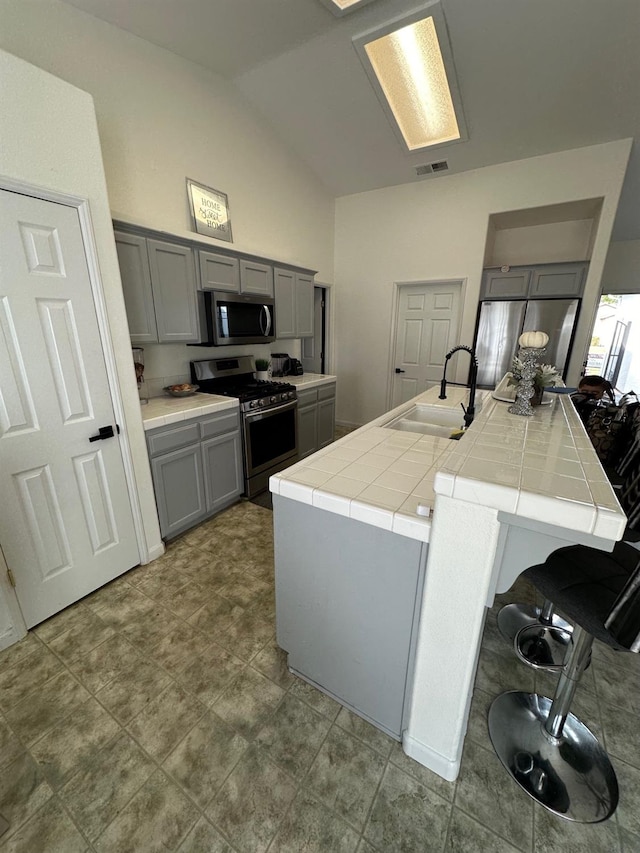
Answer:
(544, 644)
(545, 748)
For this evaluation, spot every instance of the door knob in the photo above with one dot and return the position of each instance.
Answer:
(103, 432)
(399, 370)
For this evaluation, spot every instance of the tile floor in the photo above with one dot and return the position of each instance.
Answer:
(158, 714)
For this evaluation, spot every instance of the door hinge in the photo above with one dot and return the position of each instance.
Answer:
(12, 580)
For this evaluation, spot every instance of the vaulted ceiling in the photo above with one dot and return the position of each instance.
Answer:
(535, 76)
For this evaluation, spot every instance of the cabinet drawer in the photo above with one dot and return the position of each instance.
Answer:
(170, 438)
(305, 398)
(326, 392)
(218, 424)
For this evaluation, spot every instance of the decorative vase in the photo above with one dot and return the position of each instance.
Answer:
(536, 400)
(262, 375)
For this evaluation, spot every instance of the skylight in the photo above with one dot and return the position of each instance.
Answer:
(410, 66)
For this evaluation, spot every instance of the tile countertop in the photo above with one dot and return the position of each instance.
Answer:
(160, 411)
(308, 380)
(541, 468)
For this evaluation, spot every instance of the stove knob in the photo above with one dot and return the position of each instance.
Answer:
(252, 404)
(262, 402)
(274, 399)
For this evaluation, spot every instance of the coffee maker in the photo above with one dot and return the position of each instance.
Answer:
(280, 364)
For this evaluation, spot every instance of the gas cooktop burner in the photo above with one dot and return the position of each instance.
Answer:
(230, 378)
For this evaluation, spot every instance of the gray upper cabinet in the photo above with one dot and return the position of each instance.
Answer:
(558, 280)
(256, 278)
(136, 286)
(304, 305)
(159, 286)
(285, 293)
(218, 272)
(506, 285)
(173, 279)
(540, 282)
(294, 304)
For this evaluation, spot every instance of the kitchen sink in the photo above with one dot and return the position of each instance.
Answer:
(428, 420)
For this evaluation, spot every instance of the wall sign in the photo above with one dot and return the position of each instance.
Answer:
(210, 211)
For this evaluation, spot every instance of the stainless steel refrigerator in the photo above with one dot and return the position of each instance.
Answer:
(500, 324)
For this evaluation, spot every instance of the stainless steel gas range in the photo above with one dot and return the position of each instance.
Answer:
(268, 415)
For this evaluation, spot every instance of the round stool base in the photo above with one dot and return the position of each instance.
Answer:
(570, 776)
(542, 647)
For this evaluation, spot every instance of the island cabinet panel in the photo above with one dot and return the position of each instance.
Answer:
(136, 285)
(347, 608)
(218, 272)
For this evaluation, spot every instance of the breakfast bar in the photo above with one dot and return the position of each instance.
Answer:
(391, 543)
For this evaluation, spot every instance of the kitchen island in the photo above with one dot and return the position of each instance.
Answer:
(392, 542)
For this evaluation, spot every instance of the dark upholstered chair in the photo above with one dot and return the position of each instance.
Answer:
(546, 749)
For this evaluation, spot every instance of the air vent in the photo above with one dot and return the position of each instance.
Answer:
(430, 168)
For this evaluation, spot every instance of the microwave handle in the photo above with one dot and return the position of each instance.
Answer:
(265, 331)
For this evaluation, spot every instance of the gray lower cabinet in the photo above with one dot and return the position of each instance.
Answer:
(316, 418)
(197, 469)
(159, 285)
(348, 601)
(294, 304)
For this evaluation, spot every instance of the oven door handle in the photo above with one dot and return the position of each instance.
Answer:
(267, 315)
(265, 413)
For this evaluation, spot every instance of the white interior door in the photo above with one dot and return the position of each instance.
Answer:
(66, 524)
(427, 327)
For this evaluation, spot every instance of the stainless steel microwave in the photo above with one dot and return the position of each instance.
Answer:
(233, 318)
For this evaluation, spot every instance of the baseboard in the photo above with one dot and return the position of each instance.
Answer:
(10, 637)
(431, 759)
(155, 552)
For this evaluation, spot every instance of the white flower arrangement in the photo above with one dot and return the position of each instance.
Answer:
(546, 375)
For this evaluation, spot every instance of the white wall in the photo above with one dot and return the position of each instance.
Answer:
(162, 119)
(622, 268)
(49, 139)
(552, 243)
(437, 229)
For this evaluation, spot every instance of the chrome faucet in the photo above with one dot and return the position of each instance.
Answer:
(470, 411)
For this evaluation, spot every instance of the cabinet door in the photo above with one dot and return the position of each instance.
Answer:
(179, 488)
(558, 280)
(304, 306)
(136, 286)
(173, 278)
(285, 293)
(256, 278)
(222, 458)
(307, 430)
(218, 272)
(505, 285)
(326, 422)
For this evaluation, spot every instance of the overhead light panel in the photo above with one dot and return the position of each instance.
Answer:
(410, 65)
(342, 7)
